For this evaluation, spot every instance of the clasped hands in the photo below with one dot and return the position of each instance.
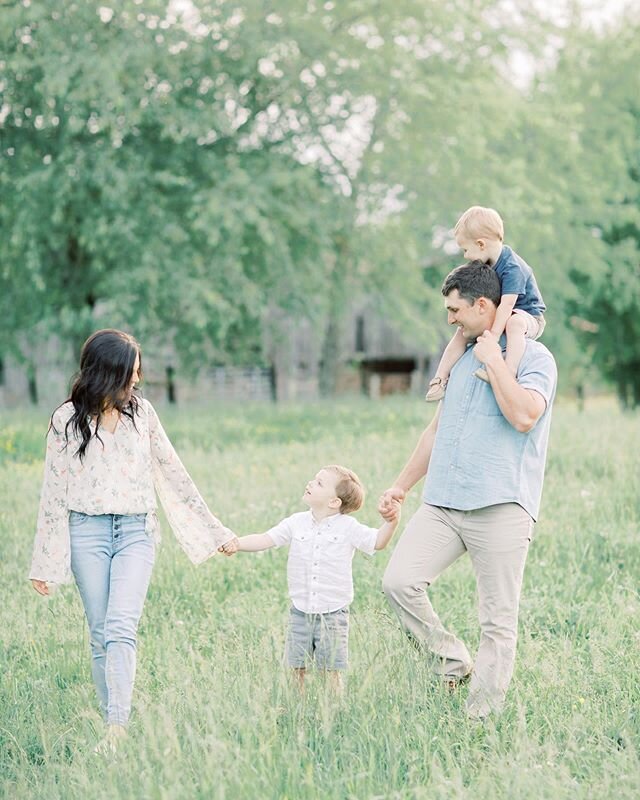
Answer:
(230, 547)
(487, 348)
(390, 502)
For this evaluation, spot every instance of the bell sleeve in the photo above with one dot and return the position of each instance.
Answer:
(197, 530)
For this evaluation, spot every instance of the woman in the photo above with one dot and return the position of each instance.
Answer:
(106, 452)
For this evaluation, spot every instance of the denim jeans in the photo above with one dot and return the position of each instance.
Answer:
(111, 560)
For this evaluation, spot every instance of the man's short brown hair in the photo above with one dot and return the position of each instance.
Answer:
(473, 280)
(349, 488)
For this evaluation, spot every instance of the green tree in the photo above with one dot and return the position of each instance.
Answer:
(193, 174)
(133, 191)
(598, 216)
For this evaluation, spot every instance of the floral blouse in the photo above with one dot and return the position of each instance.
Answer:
(118, 476)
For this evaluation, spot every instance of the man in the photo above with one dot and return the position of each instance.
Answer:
(483, 455)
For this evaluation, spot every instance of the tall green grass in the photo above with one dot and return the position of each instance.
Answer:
(215, 716)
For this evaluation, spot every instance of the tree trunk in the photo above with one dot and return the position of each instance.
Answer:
(32, 383)
(635, 373)
(330, 353)
(171, 385)
(273, 385)
(331, 350)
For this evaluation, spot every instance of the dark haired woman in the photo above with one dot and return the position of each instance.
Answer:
(106, 453)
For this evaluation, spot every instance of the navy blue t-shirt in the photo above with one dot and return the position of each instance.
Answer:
(516, 277)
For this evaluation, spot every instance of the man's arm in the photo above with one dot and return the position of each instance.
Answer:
(521, 407)
(415, 468)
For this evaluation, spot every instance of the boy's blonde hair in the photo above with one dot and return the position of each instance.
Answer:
(349, 488)
(479, 222)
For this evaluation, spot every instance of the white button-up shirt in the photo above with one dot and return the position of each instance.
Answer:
(320, 556)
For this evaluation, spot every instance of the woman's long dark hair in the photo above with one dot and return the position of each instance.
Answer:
(106, 368)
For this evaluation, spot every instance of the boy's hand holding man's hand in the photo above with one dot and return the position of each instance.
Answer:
(394, 512)
(487, 348)
(390, 502)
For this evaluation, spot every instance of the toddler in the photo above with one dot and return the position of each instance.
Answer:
(479, 233)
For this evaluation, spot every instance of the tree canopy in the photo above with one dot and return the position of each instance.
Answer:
(194, 170)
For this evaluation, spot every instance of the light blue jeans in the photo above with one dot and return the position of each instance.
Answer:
(112, 559)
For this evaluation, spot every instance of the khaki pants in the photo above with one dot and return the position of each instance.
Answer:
(497, 540)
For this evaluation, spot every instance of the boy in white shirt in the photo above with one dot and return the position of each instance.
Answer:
(322, 543)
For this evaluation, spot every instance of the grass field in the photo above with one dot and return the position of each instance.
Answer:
(214, 716)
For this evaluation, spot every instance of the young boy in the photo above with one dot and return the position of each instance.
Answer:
(479, 233)
(322, 543)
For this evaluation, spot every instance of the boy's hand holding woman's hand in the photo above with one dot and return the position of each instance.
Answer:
(230, 547)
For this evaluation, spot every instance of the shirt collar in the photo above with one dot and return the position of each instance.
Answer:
(327, 521)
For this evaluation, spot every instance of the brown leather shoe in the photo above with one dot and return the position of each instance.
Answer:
(452, 683)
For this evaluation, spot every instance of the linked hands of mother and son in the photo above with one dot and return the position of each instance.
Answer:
(388, 508)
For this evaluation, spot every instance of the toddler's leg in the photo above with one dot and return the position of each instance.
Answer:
(516, 330)
(453, 351)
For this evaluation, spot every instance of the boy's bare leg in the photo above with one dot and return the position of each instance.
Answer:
(298, 675)
(516, 331)
(452, 352)
(335, 682)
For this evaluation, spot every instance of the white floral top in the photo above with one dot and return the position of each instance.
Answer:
(118, 476)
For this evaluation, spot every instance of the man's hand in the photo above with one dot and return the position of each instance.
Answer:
(487, 348)
(40, 587)
(389, 503)
(230, 547)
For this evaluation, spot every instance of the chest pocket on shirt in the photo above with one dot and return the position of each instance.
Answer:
(333, 543)
(300, 540)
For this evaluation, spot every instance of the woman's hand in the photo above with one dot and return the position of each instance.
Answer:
(40, 587)
(230, 547)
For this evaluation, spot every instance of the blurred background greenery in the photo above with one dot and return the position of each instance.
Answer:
(196, 171)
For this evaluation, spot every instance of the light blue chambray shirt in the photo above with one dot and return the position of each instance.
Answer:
(479, 459)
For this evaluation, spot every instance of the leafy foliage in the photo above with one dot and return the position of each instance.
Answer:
(197, 171)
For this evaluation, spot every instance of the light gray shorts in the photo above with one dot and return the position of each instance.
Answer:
(535, 325)
(323, 638)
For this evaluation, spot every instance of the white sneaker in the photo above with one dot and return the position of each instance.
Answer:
(114, 737)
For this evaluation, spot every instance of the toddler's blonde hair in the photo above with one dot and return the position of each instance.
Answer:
(479, 222)
(349, 488)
